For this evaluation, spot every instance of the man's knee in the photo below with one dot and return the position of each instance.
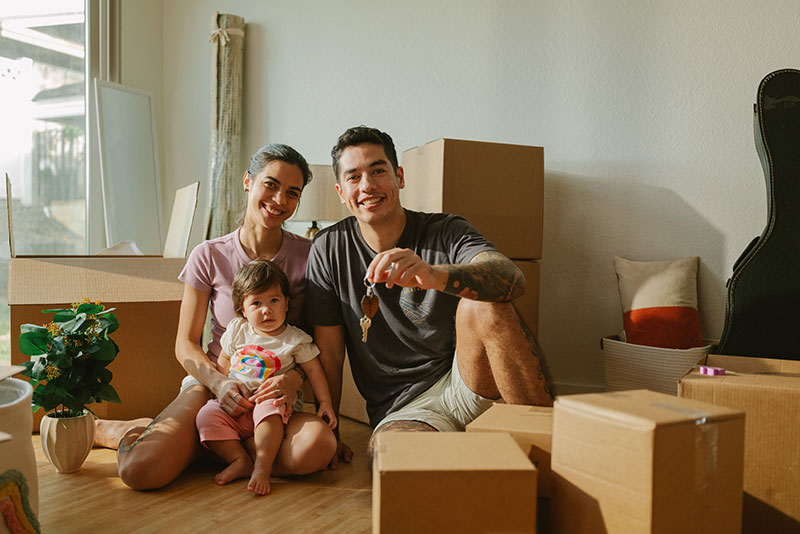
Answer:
(476, 316)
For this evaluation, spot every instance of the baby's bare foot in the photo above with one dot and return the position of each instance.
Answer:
(239, 468)
(259, 481)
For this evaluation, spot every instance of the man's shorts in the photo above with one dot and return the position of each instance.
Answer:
(447, 406)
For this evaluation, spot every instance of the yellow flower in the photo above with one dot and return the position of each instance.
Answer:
(53, 329)
(52, 372)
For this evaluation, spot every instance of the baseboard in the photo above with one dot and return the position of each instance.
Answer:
(573, 388)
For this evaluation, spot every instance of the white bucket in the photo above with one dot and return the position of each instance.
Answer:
(16, 448)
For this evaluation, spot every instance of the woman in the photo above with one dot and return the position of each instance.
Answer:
(153, 453)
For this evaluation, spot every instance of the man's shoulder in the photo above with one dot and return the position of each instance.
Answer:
(339, 230)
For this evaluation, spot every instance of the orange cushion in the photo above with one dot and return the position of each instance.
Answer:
(659, 302)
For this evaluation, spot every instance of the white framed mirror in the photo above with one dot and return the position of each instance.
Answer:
(129, 172)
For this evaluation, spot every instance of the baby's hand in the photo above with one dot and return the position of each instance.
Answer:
(327, 414)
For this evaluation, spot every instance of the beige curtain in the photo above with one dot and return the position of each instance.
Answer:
(226, 195)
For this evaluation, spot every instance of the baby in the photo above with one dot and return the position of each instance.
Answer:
(256, 346)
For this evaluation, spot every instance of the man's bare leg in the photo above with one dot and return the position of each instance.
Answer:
(498, 356)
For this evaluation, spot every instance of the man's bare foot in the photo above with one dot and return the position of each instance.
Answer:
(239, 468)
(107, 433)
(259, 481)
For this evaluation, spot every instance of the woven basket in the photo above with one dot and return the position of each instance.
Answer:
(629, 366)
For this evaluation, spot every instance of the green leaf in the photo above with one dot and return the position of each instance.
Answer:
(90, 309)
(64, 316)
(32, 328)
(61, 310)
(107, 351)
(104, 375)
(109, 322)
(106, 392)
(34, 343)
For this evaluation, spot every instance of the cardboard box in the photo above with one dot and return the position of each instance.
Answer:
(641, 461)
(452, 176)
(629, 366)
(768, 391)
(451, 482)
(528, 304)
(146, 294)
(531, 427)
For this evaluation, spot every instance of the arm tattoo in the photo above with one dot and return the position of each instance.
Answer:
(536, 349)
(488, 277)
(124, 449)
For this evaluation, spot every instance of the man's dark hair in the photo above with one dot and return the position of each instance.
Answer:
(358, 135)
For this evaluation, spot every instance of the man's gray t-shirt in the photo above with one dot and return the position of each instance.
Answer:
(411, 341)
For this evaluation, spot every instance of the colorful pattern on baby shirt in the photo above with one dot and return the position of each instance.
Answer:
(256, 362)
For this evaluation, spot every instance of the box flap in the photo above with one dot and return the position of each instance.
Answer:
(45, 280)
(644, 409)
(449, 451)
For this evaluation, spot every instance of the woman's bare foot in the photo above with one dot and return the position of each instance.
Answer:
(107, 433)
(259, 481)
(239, 468)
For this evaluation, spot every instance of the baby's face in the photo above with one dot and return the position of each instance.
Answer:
(266, 311)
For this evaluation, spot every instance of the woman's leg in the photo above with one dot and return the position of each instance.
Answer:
(308, 445)
(268, 437)
(153, 457)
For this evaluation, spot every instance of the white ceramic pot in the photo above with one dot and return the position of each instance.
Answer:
(66, 441)
(17, 459)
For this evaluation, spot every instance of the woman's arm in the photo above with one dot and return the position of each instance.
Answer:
(321, 392)
(189, 352)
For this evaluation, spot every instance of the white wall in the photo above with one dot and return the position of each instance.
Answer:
(644, 109)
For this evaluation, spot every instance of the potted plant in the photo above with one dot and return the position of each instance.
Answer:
(68, 370)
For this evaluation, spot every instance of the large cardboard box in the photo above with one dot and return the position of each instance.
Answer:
(641, 461)
(451, 482)
(768, 391)
(456, 176)
(531, 427)
(146, 294)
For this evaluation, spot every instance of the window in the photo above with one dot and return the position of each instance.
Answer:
(43, 135)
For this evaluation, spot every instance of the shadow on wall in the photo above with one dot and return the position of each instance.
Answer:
(588, 221)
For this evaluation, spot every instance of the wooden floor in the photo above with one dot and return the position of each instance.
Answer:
(94, 500)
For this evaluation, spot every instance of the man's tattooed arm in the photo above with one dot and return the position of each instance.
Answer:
(489, 276)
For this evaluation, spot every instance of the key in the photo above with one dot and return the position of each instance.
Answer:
(365, 322)
(369, 305)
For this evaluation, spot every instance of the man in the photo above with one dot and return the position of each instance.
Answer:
(446, 339)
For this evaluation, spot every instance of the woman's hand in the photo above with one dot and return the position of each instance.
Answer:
(232, 397)
(281, 389)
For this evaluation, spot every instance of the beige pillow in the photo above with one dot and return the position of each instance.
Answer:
(659, 302)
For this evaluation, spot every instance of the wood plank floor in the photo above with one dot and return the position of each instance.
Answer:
(94, 500)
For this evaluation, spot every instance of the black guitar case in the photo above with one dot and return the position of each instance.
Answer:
(762, 315)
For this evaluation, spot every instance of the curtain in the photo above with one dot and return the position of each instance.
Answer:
(226, 195)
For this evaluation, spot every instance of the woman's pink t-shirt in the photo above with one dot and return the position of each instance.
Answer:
(212, 264)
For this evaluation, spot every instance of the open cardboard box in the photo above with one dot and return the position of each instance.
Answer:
(768, 391)
(146, 294)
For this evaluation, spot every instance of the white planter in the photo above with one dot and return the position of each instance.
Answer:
(18, 478)
(66, 441)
